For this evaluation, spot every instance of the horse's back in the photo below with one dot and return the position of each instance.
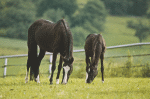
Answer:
(45, 37)
(92, 41)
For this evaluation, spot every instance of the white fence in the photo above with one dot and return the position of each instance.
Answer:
(75, 51)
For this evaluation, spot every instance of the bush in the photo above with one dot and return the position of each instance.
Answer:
(79, 36)
(146, 70)
(127, 72)
(68, 6)
(142, 30)
(15, 18)
(131, 24)
(54, 15)
(91, 16)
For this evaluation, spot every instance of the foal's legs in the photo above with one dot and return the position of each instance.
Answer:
(59, 69)
(40, 57)
(53, 66)
(102, 66)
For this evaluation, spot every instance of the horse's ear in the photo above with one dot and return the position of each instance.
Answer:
(71, 60)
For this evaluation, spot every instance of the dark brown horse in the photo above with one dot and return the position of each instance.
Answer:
(51, 37)
(95, 48)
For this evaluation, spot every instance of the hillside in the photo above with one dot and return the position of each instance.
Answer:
(116, 33)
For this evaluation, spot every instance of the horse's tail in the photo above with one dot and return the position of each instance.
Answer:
(32, 49)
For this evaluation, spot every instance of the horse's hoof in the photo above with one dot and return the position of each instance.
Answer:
(63, 83)
(51, 83)
(57, 81)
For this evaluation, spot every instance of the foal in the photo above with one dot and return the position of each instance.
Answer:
(95, 48)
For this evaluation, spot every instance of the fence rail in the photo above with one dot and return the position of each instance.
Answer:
(75, 51)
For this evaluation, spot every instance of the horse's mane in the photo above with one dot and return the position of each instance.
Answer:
(68, 36)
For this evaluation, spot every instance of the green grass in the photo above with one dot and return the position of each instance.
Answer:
(117, 33)
(112, 88)
(12, 46)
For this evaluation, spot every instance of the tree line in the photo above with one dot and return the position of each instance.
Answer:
(17, 15)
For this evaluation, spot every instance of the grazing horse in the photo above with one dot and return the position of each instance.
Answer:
(50, 37)
(95, 48)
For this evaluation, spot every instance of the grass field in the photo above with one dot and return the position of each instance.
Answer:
(112, 88)
(116, 33)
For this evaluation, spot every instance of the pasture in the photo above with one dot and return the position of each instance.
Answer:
(116, 84)
(112, 88)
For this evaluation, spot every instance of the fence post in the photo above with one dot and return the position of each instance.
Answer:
(5, 68)
(50, 65)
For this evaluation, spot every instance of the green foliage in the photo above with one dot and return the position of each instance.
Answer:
(117, 7)
(16, 18)
(127, 7)
(146, 70)
(127, 69)
(79, 36)
(90, 28)
(55, 15)
(139, 7)
(69, 6)
(92, 14)
(148, 12)
(142, 30)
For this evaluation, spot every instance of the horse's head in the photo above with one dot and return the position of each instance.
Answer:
(92, 73)
(67, 69)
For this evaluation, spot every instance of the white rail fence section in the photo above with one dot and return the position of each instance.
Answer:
(75, 51)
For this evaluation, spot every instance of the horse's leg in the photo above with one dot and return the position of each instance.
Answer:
(40, 57)
(53, 66)
(102, 67)
(87, 65)
(28, 65)
(59, 69)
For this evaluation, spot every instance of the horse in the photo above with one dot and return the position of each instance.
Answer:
(51, 37)
(95, 48)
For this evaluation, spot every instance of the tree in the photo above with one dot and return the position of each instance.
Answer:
(138, 8)
(15, 18)
(127, 7)
(69, 6)
(79, 36)
(148, 14)
(117, 7)
(142, 31)
(91, 16)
